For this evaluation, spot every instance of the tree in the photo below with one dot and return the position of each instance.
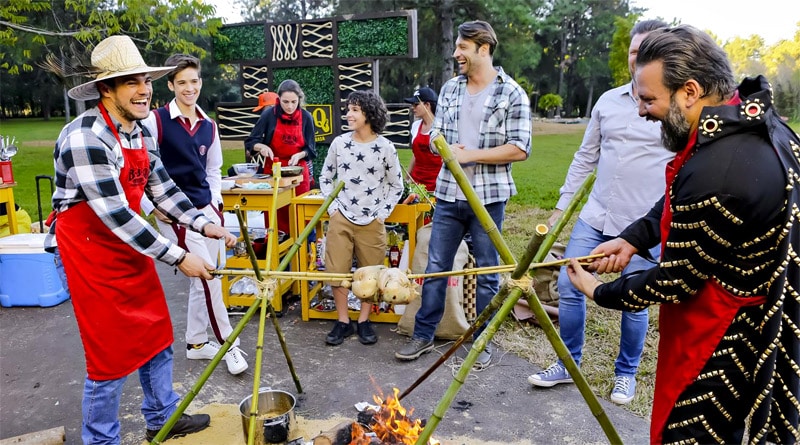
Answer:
(618, 54)
(745, 55)
(576, 37)
(782, 68)
(284, 10)
(60, 35)
(550, 102)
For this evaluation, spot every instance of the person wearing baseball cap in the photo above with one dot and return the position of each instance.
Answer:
(105, 161)
(266, 99)
(425, 164)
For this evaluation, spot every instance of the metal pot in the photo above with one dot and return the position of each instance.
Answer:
(275, 416)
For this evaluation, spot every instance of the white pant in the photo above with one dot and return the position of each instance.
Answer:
(206, 307)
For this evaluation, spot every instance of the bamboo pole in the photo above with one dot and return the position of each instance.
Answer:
(237, 330)
(544, 244)
(472, 198)
(310, 275)
(495, 303)
(265, 293)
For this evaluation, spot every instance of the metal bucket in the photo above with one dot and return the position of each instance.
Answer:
(275, 417)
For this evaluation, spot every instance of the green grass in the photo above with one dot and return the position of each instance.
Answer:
(537, 178)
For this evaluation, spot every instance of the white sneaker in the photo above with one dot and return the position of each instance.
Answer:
(205, 352)
(235, 360)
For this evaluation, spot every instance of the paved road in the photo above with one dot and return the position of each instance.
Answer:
(42, 372)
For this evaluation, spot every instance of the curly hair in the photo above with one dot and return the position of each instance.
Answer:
(373, 108)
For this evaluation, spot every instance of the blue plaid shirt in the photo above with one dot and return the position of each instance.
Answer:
(88, 160)
(506, 120)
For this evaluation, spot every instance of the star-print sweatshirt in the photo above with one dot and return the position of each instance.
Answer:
(371, 173)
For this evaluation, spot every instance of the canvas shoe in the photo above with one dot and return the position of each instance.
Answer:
(624, 390)
(339, 332)
(235, 361)
(205, 351)
(413, 349)
(552, 376)
(366, 335)
(185, 425)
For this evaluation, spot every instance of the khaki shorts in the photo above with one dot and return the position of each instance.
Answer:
(345, 239)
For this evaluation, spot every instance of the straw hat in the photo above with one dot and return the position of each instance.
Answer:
(115, 56)
(266, 100)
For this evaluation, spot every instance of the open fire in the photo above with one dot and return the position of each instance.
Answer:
(391, 424)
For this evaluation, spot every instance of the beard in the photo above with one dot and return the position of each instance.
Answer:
(674, 129)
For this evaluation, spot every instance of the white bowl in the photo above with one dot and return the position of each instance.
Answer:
(245, 170)
(227, 184)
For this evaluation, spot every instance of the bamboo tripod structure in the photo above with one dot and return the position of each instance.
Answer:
(262, 302)
(506, 298)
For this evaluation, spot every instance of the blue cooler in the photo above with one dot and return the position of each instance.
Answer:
(28, 274)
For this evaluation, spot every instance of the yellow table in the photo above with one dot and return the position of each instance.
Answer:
(7, 196)
(259, 200)
(306, 205)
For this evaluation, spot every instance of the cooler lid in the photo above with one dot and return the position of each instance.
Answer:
(22, 243)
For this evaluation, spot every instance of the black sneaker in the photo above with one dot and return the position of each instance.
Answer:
(366, 335)
(413, 349)
(185, 425)
(339, 332)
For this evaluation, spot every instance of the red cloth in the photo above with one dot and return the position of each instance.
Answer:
(286, 141)
(117, 297)
(426, 163)
(690, 331)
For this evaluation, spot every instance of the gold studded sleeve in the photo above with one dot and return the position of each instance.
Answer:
(728, 206)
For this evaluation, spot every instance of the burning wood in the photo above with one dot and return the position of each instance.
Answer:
(391, 424)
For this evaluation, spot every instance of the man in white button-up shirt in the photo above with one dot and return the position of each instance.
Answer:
(630, 160)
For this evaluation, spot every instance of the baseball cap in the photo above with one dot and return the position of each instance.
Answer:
(423, 94)
(266, 99)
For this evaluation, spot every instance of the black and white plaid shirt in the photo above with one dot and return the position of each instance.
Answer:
(88, 160)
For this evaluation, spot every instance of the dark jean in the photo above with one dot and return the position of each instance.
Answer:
(451, 221)
(101, 401)
(572, 304)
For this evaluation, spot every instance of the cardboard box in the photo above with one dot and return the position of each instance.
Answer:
(28, 274)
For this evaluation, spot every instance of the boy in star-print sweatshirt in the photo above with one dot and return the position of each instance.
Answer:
(367, 163)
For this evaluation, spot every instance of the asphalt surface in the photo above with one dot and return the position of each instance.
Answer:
(42, 372)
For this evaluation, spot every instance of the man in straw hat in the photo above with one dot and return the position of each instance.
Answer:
(105, 161)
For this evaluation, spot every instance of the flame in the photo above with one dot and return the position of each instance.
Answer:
(392, 424)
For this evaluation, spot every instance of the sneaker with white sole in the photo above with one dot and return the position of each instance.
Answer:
(624, 390)
(203, 351)
(552, 376)
(235, 360)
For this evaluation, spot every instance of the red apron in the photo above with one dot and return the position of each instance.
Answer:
(286, 141)
(689, 332)
(426, 163)
(119, 304)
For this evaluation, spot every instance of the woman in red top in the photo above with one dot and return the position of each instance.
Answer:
(285, 131)
(425, 164)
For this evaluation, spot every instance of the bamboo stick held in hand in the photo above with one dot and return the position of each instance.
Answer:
(536, 251)
(237, 330)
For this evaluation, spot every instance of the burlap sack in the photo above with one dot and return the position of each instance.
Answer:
(546, 279)
(545, 284)
(453, 323)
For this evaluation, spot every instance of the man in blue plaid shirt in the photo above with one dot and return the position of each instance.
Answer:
(486, 118)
